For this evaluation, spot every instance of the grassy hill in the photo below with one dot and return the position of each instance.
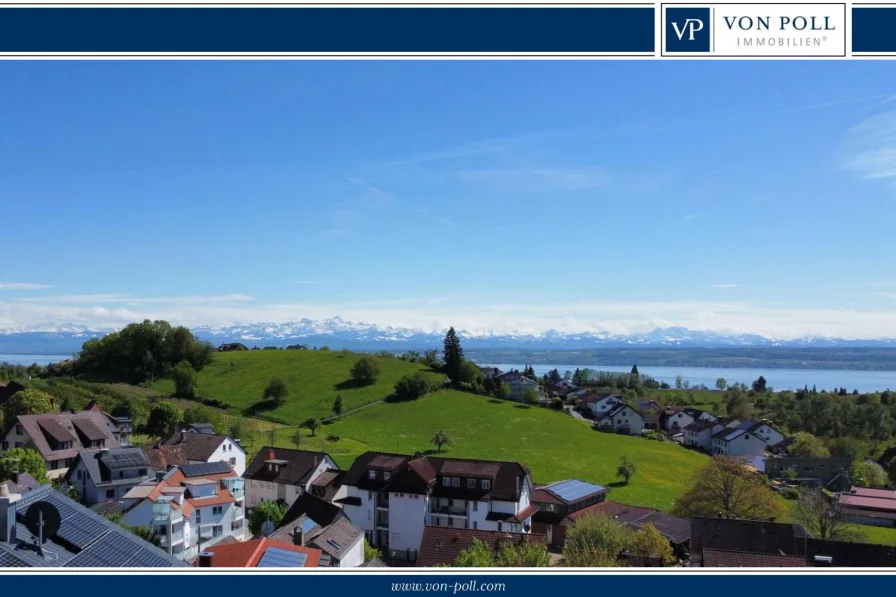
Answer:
(314, 379)
(553, 445)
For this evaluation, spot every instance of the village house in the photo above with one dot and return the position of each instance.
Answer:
(674, 419)
(285, 474)
(258, 553)
(737, 442)
(59, 436)
(698, 435)
(600, 405)
(204, 428)
(392, 497)
(120, 427)
(621, 419)
(441, 546)
(84, 538)
(199, 447)
(520, 385)
(101, 475)
(313, 522)
(488, 372)
(869, 506)
(830, 473)
(191, 508)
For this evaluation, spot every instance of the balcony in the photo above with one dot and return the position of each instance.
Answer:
(175, 538)
(382, 520)
(382, 501)
(458, 511)
(164, 514)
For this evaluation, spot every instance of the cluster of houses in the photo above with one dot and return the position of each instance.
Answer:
(195, 491)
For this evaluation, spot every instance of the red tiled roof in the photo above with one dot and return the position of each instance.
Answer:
(524, 514)
(442, 545)
(249, 553)
(621, 512)
(715, 558)
(871, 503)
(887, 494)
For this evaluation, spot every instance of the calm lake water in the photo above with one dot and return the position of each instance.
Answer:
(780, 379)
(28, 359)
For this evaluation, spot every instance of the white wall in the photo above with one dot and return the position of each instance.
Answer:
(353, 557)
(602, 406)
(683, 420)
(360, 515)
(230, 450)
(259, 491)
(139, 515)
(478, 515)
(748, 443)
(407, 516)
(628, 417)
(770, 434)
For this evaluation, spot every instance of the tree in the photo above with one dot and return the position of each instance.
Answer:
(371, 552)
(507, 554)
(502, 392)
(237, 429)
(721, 384)
(185, 380)
(411, 387)
(727, 488)
(626, 469)
(250, 434)
(264, 511)
(679, 382)
(337, 405)
(469, 372)
(759, 385)
(530, 397)
(22, 460)
(144, 533)
(276, 391)
(789, 475)
(650, 543)
(163, 417)
(823, 517)
(634, 374)
(595, 541)
(296, 438)
(440, 439)
(807, 445)
(312, 424)
(27, 402)
(864, 473)
(453, 355)
(365, 370)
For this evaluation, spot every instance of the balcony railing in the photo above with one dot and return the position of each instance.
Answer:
(449, 511)
(173, 539)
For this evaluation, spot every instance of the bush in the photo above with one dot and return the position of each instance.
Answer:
(790, 493)
(276, 390)
(557, 404)
(366, 370)
(411, 387)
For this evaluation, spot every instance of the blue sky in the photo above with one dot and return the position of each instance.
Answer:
(742, 196)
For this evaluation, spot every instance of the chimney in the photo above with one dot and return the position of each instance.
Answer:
(205, 559)
(7, 513)
(298, 536)
(271, 454)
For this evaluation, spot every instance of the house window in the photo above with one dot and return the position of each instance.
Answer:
(110, 494)
(369, 495)
(446, 481)
(142, 472)
(233, 462)
(386, 476)
(121, 474)
(475, 506)
(19, 430)
(217, 531)
(455, 482)
(198, 515)
(218, 510)
(500, 525)
(471, 483)
(486, 484)
(6, 445)
(475, 524)
(371, 474)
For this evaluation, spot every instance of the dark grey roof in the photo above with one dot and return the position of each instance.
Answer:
(206, 468)
(85, 540)
(107, 508)
(100, 463)
(206, 428)
(338, 538)
(297, 470)
(197, 446)
(700, 425)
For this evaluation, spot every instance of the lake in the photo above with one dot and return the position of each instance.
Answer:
(29, 359)
(779, 379)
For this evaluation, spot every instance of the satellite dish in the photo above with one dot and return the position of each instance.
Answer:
(268, 528)
(43, 520)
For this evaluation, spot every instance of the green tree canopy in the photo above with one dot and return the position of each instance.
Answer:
(507, 554)
(626, 470)
(650, 543)
(276, 391)
(595, 541)
(266, 510)
(27, 402)
(22, 460)
(726, 487)
(806, 444)
(185, 380)
(163, 416)
(440, 439)
(312, 424)
(453, 355)
(411, 387)
(863, 473)
(365, 370)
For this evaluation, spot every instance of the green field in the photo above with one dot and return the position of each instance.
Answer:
(552, 444)
(314, 379)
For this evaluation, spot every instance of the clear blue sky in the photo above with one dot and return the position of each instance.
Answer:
(750, 196)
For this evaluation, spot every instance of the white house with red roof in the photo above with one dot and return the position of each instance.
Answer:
(192, 507)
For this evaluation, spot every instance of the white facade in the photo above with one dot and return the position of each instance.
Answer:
(258, 491)
(232, 453)
(771, 435)
(519, 387)
(742, 444)
(353, 557)
(624, 420)
(604, 405)
(90, 494)
(678, 421)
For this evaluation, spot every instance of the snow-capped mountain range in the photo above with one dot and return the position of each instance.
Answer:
(339, 333)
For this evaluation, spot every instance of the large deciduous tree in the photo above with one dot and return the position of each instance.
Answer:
(726, 487)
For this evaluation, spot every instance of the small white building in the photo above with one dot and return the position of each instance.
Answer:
(768, 433)
(601, 405)
(698, 435)
(284, 474)
(737, 442)
(621, 419)
(317, 523)
(392, 497)
(107, 475)
(199, 447)
(193, 507)
(675, 420)
(520, 385)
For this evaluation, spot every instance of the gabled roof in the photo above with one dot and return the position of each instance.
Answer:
(616, 410)
(322, 512)
(297, 470)
(249, 554)
(161, 458)
(61, 427)
(99, 464)
(566, 492)
(177, 480)
(198, 446)
(443, 545)
(716, 558)
(700, 425)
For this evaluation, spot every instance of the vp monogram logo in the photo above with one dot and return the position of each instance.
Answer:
(690, 27)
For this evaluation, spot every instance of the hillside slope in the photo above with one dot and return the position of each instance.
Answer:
(313, 377)
(553, 445)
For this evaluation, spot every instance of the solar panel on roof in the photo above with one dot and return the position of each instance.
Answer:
(275, 557)
(126, 460)
(571, 491)
(308, 525)
(8, 560)
(205, 468)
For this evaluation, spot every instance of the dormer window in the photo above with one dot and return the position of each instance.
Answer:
(386, 476)
(371, 474)
(471, 483)
(446, 481)
(486, 484)
(455, 482)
